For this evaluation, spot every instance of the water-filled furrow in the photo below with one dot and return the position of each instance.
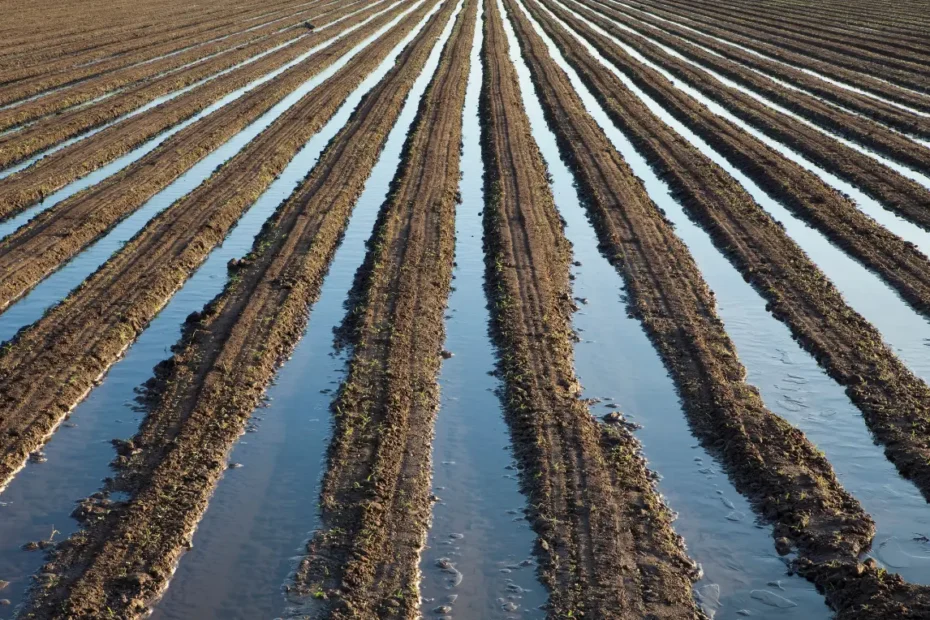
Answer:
(791, 382)
(478, 521)
(291, 434)
(914, 175)
(169, 72)
(811, 72)
(54, 288)
(867, 204)
(43, 495)
(620, 366)
(68, 85)
(174, 94)
(780, 81)
(905, 330)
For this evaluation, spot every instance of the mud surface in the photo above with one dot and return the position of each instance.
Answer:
(204, 395)
(59, 233)
(51, 365)
(364, 561)
(772, 463)
(592, 499)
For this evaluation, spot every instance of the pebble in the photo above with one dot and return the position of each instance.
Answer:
(783, 546)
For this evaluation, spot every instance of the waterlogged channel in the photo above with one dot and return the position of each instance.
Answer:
(478, 561)
(914, 175)
(262, 514)
(737, 555)
(791, 383)
(40, 498)
(118, 164)
(907, 332)
(811, 72)
(56, 286)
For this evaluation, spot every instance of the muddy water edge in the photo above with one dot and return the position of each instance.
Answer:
(478, 559)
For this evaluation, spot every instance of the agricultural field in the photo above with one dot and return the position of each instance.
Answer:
(497, 309)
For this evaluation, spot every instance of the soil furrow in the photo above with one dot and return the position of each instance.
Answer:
(905, 74)
(51, 365)
(123, 69)
(86, 42)
(864, 131)
(363, 562)
(893, 400)
(48, 132)
(57, 234)
(803, 60)
(896, 261)
(789, 482)
(826, 29)
(594, 507)
(126, 90)
(203, 396)
(881, 25)
(133, 130)
(875, 109)
(907, 60)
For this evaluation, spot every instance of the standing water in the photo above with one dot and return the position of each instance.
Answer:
(478, 522)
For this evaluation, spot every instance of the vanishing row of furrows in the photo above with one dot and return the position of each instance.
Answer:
(903, 19)
(605, 541)
(237, 69)
(59, 233)
(745, 69)
(907, 74)
(804, 59)
(52, 364)
(17, 85)
(99, 30)
(772, 463)
(899, 193)
(202, 397)
(825, 30)
(124, 90)
(909, 60)
(25, 188)
(895, 260)
(895, 403)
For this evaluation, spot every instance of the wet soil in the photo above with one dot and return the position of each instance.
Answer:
(60, 233)
(792, 484)
(24, 145)
(364, 561)
(593, 504)
(51, 365)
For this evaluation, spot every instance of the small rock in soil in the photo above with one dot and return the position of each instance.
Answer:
(783, 546)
